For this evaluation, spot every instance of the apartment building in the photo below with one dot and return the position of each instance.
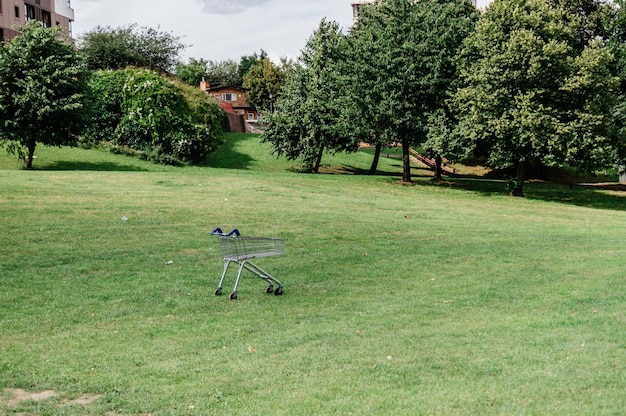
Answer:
(50, 12)
(356, 6)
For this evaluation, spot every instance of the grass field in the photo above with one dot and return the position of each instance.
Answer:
(428, 298)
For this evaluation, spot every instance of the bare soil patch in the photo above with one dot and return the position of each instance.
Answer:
(17, 396)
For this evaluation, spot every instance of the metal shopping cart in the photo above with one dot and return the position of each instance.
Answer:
(240, 250)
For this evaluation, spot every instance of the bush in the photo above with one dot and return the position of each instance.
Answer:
(147, 115)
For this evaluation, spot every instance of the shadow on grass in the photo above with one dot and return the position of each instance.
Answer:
(228, 157)
(610, 196)
(90, 166)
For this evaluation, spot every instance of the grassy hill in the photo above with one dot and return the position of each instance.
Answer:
(399, 299)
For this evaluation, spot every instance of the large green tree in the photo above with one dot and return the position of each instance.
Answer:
(42, 84)
(309, 117)
(401, 67)
(531, 95)
(616, 26)
(130, 45)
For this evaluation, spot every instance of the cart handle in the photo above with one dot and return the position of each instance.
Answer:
(218, 231)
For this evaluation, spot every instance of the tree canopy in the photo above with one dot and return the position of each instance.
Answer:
(401, 65)
(309, 117)
(130, 45)
(529, 95)
(42, 85)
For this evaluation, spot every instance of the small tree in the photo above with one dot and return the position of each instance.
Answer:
(263, 83)
(309, 117)
(41, 90)
(193, 71)
(224, 73)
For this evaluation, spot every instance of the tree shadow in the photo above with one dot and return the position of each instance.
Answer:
(227, 156)
(66, 165)
(600, 196)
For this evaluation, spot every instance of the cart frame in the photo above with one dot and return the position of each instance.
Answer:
(240, 250)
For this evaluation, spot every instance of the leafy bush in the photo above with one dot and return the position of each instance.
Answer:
(143, 114)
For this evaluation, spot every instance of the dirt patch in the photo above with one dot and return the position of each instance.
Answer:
(17, 396)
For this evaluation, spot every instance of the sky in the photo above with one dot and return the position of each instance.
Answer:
(217, 30)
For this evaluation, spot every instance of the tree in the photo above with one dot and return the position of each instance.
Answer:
(41, 90)
(224, 73)
(401, 65)
(248, 61)
(529, 96)
(263, 83)
(142, 47)
(309, 119)
(616, 26)
(193, 71)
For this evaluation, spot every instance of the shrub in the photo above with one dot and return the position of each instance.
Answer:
(145, 114)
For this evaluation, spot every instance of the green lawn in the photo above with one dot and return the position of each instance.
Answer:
(399, 299)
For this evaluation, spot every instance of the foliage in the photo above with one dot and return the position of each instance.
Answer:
(145, 114)
(41, 90)
(224, 73)
(309, 117)
(529, 95)
(616, 23)
(400, 62)
(193, 71)
(130, 45)
(248, 61)
(263, 83)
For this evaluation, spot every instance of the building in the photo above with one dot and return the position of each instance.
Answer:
(50, 12)
(356, 6)
(233, 100)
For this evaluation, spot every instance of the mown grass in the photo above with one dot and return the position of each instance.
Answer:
(419, 299)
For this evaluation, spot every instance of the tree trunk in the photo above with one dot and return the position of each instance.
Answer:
(28, 163)
(438, 170)
(520, 177)
(374, 167)
(406, 161)
(318, 161)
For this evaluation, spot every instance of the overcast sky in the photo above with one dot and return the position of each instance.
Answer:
(219, 29)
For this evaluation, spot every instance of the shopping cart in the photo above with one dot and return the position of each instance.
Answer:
(240, 250)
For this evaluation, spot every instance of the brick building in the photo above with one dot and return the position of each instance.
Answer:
(50, 12)
(233, 100)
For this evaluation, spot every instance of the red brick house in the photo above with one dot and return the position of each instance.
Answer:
(242, 116)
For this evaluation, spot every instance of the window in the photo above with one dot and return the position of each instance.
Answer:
(1, 34)
(46, 18)
(29, 13)
(17, 12)
(229, 96)
(250, 116)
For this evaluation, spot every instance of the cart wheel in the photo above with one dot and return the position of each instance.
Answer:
(218, 291)
(278, 291)
(233, 296)
(270, 289)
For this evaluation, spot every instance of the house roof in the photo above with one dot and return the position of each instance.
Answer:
(226, 87)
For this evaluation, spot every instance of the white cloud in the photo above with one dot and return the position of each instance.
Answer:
(229, 6)
(219, 29)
